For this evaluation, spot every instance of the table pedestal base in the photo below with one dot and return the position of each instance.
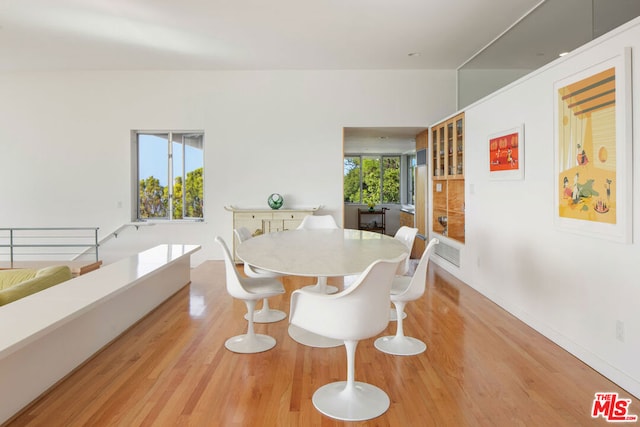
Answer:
(321, 287)
(310, 339)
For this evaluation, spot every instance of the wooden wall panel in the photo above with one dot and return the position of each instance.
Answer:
(420, 209)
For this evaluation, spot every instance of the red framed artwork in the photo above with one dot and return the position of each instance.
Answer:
(506, 154)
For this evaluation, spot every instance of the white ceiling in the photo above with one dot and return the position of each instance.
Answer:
(249, 34)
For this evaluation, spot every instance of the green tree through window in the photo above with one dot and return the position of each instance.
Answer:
(391, 179)
(193, 196)
(153, 198)
(371, 180)
(352, 192)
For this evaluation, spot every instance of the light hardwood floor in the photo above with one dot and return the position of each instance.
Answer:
(482, 367)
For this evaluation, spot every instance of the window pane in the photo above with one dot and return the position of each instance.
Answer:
(153, 176)
(391, 179)
(352, 193)
(194, 161)
(371, 180)
(178, 174)
(411, 178)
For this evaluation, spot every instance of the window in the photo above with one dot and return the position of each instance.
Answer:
(411, 179)
(170, 175)
(372, 179)
(390, 179)
(352, 179)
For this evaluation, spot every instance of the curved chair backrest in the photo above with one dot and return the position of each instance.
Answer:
(419, 280)
(311, 222)
(406, 235)
(242, 233)
(234, 281)
(358, 312)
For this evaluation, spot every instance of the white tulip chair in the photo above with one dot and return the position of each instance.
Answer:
(406, 235)
(249, 290)
(356, 313)
(265, 314)
(403, 290)
(319, 222)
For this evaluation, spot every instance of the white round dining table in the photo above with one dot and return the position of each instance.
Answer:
(318, 253)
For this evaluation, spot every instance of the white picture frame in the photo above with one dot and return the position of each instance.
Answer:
(593, 150)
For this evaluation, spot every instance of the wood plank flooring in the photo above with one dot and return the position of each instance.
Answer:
(482, 367)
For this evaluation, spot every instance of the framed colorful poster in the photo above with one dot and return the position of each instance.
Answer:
(593, 158)
(506, 154)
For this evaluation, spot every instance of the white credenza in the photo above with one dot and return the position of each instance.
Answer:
(260, 221)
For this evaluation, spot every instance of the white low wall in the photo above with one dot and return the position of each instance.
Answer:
(47, 335)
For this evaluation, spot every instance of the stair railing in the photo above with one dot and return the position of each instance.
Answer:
(33, 243)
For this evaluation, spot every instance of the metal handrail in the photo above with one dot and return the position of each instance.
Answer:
(114, 234)
(16, 238)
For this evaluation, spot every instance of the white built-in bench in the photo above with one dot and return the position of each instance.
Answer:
(45, 336)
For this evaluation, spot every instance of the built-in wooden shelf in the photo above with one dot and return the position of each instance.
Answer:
(447, 160)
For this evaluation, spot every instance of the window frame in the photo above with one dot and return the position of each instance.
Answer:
(403, 175)
(170, 167)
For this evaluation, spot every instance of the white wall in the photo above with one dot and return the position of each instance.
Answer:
(65, 141)
(570, 287)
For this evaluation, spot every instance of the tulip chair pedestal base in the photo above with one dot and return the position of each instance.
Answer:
(357, 402)
(393, 316)
(400, 346)
(250, 343)
(267, 316)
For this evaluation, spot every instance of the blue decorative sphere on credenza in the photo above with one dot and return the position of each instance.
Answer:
(275, 201)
